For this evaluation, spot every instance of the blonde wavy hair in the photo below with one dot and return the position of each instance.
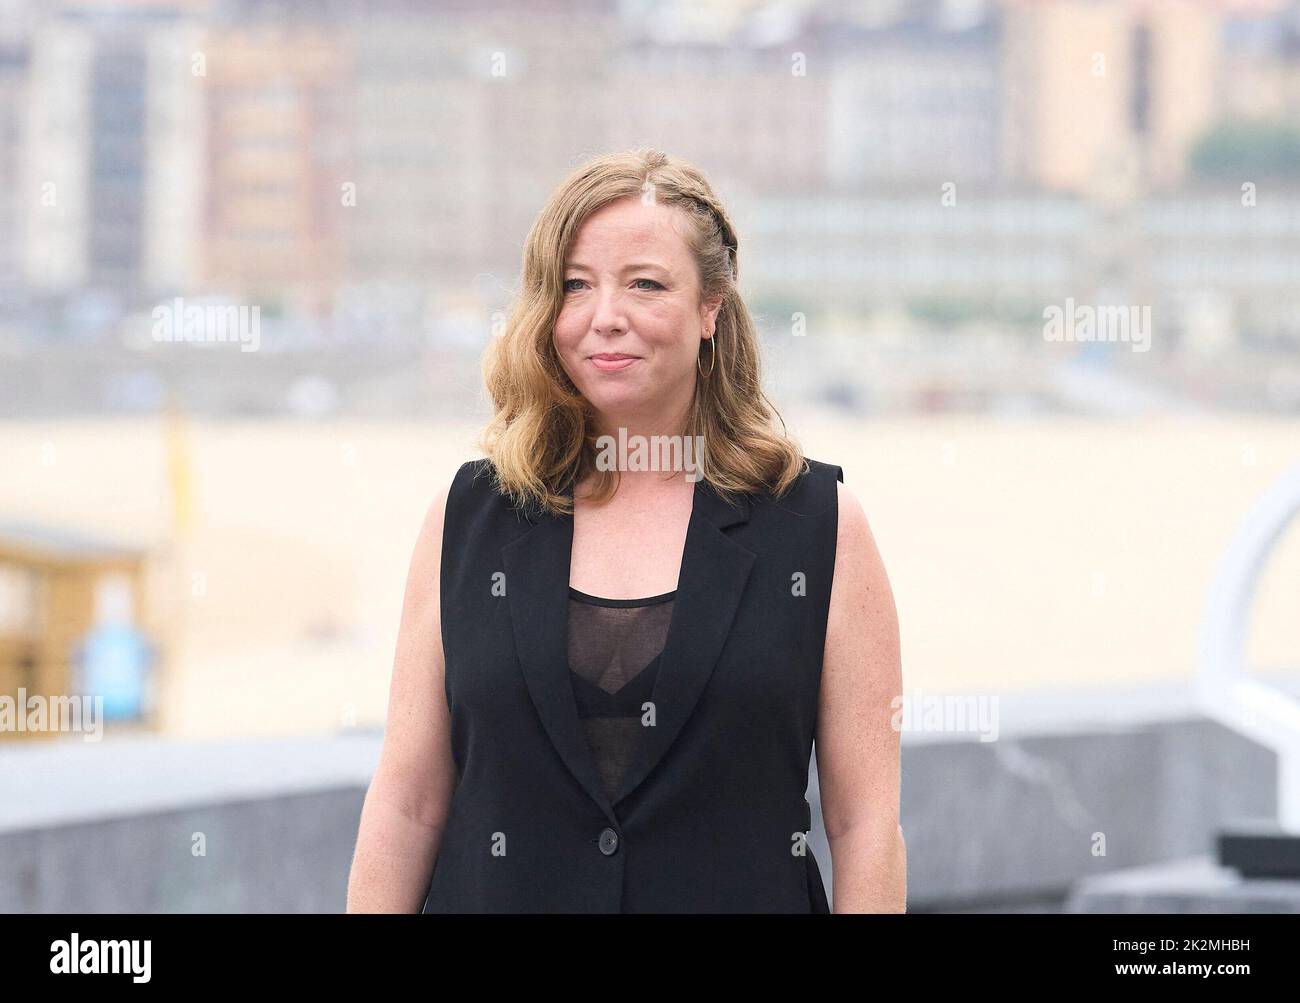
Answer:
(541, 440)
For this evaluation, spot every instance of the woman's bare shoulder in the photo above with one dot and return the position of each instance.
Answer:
(861, 583)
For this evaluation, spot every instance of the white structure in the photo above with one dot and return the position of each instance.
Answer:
(1225, 689)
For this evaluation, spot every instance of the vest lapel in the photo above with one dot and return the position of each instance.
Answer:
(713, 574)
(714, 571)
(537, 588)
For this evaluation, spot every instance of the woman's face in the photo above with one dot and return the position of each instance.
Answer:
(629, 330)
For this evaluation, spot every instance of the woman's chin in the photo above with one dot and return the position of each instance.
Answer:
(611, 400)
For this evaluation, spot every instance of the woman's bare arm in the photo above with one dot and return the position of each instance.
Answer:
(406, 806)
(857, 745)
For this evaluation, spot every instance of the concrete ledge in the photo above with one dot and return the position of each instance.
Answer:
(278, 854)
(115, 826)
(1196, 885)
(111, 826)
(47, 783)
(1025, 817)
(996, 826)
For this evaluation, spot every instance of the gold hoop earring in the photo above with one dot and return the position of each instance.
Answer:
(713, 362)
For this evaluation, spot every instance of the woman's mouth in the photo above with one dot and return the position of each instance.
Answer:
(610, 362)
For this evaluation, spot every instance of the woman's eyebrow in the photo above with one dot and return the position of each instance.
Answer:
(633, 267)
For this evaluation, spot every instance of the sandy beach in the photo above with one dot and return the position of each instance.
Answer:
(1022, 552)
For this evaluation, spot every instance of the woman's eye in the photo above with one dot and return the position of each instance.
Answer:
(652, 285)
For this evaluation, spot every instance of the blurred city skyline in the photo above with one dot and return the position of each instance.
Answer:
(914, 183)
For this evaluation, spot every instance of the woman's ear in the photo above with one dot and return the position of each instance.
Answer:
(711, 308)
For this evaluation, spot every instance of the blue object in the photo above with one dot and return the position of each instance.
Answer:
(115, 665)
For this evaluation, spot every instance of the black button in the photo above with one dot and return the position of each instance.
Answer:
(608, 841)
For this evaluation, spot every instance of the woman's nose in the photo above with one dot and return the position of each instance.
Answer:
(608, 311)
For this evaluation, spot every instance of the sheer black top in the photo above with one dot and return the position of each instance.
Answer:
(614, 649)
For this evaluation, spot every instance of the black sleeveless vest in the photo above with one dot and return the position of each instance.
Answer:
(711, 816)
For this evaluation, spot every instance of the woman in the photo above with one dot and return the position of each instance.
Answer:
(609, 678)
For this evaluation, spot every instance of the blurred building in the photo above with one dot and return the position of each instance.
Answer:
(1009, 253)
(112, 173)
(1260, 75)
(753, 109)
(1088, 82)
(914, 102)
(275, 146)
(14, 57)
(458, 120)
